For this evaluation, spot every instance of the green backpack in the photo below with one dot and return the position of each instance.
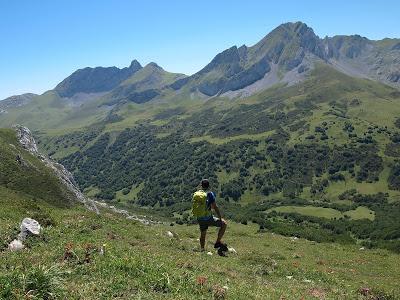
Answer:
(199, 204)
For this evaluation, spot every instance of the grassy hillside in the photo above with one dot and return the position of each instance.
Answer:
(142, 262)
(50, 111)
(25, 176)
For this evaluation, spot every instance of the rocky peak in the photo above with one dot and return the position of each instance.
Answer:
(135, 65)
(242, 50)
(228, 57)
(287, 45)
(347, 46)
(153, 65)
(308, 39)
(151, 69)
(298, 27)
(95, 80)
(286, 32)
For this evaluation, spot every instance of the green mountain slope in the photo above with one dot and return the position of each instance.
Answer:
(83, 255)
(341, 100)
(293, 141)
(80, 254)
(25, 177)
(50, 111)
(330, 143)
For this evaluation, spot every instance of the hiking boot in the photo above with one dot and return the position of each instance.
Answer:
(221, 246)
(221, 252)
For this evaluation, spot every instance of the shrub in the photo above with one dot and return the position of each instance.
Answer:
(44, 283)
(38, 283)
(10, 286)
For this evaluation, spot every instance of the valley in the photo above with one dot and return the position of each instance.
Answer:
(298, 135)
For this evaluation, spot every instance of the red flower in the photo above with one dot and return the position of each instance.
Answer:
(201, 280)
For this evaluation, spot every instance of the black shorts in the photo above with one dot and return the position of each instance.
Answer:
(211, 222)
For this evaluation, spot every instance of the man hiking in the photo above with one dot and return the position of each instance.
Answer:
(203, 201)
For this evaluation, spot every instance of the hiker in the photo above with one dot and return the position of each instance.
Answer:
(203, 201)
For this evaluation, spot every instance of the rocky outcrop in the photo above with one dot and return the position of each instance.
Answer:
(396, 46)
(142, 97)
(27, 141)
(394, 77)
(234, 72)
(248, 76)
(28, 227)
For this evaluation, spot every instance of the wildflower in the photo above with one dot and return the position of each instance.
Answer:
(201, 280)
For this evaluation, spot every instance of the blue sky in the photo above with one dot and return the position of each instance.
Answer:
(42, 42)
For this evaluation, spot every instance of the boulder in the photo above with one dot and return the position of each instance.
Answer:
(15, 245)
(29, 226)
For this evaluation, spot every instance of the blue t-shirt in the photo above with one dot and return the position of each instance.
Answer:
(210, 199)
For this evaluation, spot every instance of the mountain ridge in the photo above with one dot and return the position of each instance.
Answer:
(143, 85)
(15, 101)
(291, 47)
(98, 79)
(288, 46)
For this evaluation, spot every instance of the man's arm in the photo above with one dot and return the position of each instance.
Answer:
(216, 209)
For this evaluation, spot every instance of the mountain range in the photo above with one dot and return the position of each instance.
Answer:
(298, 135)
(285, 55)
(295, 125)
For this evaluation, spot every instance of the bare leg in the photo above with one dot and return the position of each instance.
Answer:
(221, 231)
(203, 239)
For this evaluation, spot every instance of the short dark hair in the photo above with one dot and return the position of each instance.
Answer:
(205, 183)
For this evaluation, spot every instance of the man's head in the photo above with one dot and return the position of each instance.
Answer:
(205, 184)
